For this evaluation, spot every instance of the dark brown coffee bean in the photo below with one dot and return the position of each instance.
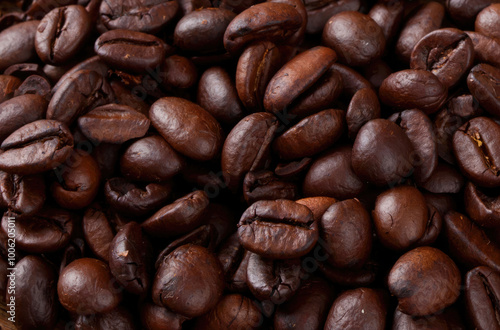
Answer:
(154, 317)
(355, 37)
(427, 19)
(482, 289)
(477, 152)
(485, 48)
(319, 12)
(62, 33)
(483, 82)
(364, 106)
(359, 308)
(178, 218)
(317, 205)
(179, 73)
(263, 185)
(279, 229)
(464, 12)
(93, 63)
(173, 117)
(35, 84)
(377, 71)
(410, 89)
(86, 286)
(482, 206)
(97, 231)
(19, 111)
(418, 270)
(118, 318)
(275, 22)
(382, 153)
(189, 281)
(444, 180)
(17, 44)
(113, 123)
(234, 260)
(22, 195)
(36, 147)
(352, 81)
(150, 159)
(8, 86)
(293, 168)
(447, 53)
(443, 203)
(388, 15)
(351, 277)
(487, 21)
(447, 319)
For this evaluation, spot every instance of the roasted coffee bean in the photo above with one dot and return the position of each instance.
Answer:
(86, 286)
(274, 280)
(130, 51)
(35, 84)
(388, 15)
(482, 289)
(382, 153)
(62, 33)
(113, 123)
(234, 260)
(482, 206)
(476, 151)
(34, 294)
(148, 16)
(376, 72)
(93, 63)
(98, 231)
(8, 86)
(360, 308)
(263, 185)
(351, 277)
(483, 82)
(418, 270)
(444, 180)
(319, 12)
(17, 44)
(488, 21)
(293, 168)
(280, 229)
(118, 318)
(36, 147)
(464, 12)
(223, 218)
(75, 250)
(24, 70)
(180, 73)
(364, 106)
(447, 53)
(352, 81)
(485, 48)
(154, 317)
(447, 319)
(178, 218)
(173, 117)
(317, 205)
(355, 37)
(189, 281)
(22, 195)
(19, 111)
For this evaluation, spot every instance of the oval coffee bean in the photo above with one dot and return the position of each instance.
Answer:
(86, 286)
(36, 147)
(155, 317)
(19, 111)
(173, 117)
(97, 231)
(363, 107)
(234, 260)
(485, 48)
(444, 180)
(17, 44)
(482, 291)
(318, 12)
(483, 82)
(418, 270)
(22, 195)
(264, 185)
(487, 21)
(482, 206)
(318, 205)
(280, 229)
(35, 84)
(447, 319)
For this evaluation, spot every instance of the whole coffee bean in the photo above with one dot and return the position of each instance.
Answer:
(364, 106)
(189, 281)
(361, 308)
(35, 84)
(234, 260)
(17, 44)
(388, 15)
(178, 218)
(346, 231)
(377, 71)
(274, 280)
(382, 153)
(232, 311)
(202, 31)
(447, 53)
(321, 180)
(293, 168)
(155, 317)
(351, 277)
(75, 250)
(148, 16)
(280, 229)
(275, 22)
(295, 77)
(19, 111)
(118, 318)
(22, 195)
(482, 206)
(86, 286)
(97, 231)
(441, 202)
(418, 270)
(408, 89)
(113, 123)
(447, 319)
(24, 70)
(444, 180)
(355, 37)
(217, 94)
(34, 294)
(93, 63)
(36, 147)
(464, 12)
(263, 185)
(8, 86)
(180, 73)
(488, 21)
(150, 159)
(85, 89)
(482, 289)
(352, 81)
(483, 82)
(427, 19)
(485, 48)
(247, 147)
(400, 217)
(62, 33)
(468, 243)
(319, 12)
(173, 117)
(130, 50)
(477, 152)
(311, 135)
(420, 131)
(318, 205)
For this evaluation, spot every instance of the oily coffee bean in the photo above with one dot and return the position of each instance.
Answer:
(352, 81)
(98, 231)
(24, 70)
(62, 33)
(482, 289)
(180, 73)
(113, 123)
(189, 281)
(280, 229)
(358, 308)
(74, 250)
(293, 168)
(35, 84)
(376, 72)
(22, 195)
(351, 277)
(317, 205)
(130, 51)
(482, 206)
(173, 117)
(485, 48)
(118, 318)
(418, 270)
(234, 260)
(364, 106)
(388, 15)
(155, 317)
(298, 37)
(444, 180)
(319, 12)
(264, 185)
(36, 147)
(447, 53)
(447, 319)
(465, 12)
(476, 151)
(382, 153)
(17, 44)
(355, 37)
(488, 21)
(8, 86)
(483, 82)
(93, 63)
(178, 218)
(86, 286)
